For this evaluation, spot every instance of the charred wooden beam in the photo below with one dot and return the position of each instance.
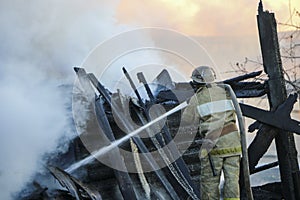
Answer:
(260, 145)
(265, 167)
(122, 118)
(78, 189)
(124, 181)
(183, 91)
(242, 77)
(285, 144)
(179, 164)
(248, 89)
(280, 118)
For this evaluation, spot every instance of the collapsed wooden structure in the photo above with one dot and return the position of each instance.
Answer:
(180, 179)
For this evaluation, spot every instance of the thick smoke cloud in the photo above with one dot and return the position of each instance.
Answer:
(40, 43)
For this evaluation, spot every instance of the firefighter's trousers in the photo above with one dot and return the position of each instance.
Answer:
(209, 184)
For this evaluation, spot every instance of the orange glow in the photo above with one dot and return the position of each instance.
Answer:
(205, 18)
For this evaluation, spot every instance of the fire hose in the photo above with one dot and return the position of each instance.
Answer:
(245, 163)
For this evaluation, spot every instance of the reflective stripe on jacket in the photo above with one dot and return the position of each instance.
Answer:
(212, 109)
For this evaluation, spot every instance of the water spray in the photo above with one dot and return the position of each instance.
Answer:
(116, 143)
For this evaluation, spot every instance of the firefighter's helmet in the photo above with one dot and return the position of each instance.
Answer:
(203, 74)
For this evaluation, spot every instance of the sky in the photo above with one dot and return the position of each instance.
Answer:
(227, 31)
(41, 42)
(202, 17)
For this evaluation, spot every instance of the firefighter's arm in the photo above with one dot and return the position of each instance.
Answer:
(189, 116)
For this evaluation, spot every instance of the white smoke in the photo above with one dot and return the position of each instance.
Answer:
(41, 41)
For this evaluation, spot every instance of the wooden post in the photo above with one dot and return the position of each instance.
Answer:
(285, 144)
(260, 145)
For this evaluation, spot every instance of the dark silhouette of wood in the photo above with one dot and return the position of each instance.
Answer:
(280, 118)
(285, 144)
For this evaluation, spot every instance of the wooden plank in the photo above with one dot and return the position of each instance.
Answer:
(285, 144)
(124, 181)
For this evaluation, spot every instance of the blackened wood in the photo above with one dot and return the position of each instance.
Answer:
(179, 164)
(260, 145)
(242, 77)
(285, 144)
(124, 181)
(279, 118)
(122, 119)
(265, 167)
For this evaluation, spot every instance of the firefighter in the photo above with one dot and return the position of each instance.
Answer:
(212, 110)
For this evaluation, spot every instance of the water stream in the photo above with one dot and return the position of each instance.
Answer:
(116, 143)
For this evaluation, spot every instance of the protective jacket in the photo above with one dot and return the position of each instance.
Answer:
(212, 109)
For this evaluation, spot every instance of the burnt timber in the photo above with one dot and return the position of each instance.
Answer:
(285, 143)
(97, 181)
(102, 179)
